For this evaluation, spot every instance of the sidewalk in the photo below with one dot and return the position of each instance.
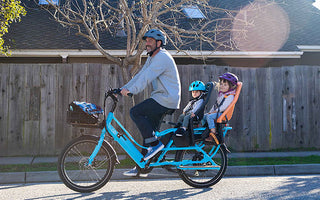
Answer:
(258, 170)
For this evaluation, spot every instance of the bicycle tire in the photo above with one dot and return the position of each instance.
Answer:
(73, 170)
(202, 178)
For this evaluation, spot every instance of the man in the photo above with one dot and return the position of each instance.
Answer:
(161, 71)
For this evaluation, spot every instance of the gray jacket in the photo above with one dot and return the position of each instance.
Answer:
(161, 71)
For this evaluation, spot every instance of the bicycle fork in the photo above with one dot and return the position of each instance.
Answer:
(97, 148)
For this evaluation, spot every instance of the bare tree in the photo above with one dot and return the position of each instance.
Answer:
(187, 23)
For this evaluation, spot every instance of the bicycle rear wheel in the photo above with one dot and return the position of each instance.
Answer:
(210, 175)
(73, 166)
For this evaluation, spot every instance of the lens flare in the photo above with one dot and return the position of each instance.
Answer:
(260, 26)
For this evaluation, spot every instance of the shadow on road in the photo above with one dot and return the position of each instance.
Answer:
(173, 194)
(293, 188)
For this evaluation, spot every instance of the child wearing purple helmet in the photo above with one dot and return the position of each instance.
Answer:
(226, 87)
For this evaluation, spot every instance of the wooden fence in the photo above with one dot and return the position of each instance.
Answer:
(278, 108)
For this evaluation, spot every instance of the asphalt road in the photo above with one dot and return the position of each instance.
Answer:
(262, 187)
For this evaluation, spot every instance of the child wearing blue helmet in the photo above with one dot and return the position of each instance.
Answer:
(196, 88)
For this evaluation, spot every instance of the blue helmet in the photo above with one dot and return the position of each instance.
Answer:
(197, 85)
(157, 35)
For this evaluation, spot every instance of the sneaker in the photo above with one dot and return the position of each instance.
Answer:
(134, 173)
(153, 151)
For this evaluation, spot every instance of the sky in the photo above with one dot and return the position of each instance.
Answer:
(317, 4)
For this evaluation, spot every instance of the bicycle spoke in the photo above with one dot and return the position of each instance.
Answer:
(77, 151)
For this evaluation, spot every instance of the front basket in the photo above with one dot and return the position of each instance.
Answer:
(84, 114)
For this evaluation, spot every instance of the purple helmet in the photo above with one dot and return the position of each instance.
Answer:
(230, 77)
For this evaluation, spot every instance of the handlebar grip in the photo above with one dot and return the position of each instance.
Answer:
(118, 91)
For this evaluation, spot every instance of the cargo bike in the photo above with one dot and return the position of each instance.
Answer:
(86, 163)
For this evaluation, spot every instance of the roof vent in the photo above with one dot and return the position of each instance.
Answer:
(193, 12)
(47, 2)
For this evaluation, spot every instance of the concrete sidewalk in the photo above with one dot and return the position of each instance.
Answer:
(258, 170)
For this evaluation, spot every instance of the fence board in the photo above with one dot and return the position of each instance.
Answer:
(79, 77)
(248, 138)
(64, 95)
(32, 110)
(94, 89)
(315, 108)
(262, 105)
(301, 92)
(306, 103)
(47, 109)
(4, 109)
(276, 111)
(289, 108)
(16, 109)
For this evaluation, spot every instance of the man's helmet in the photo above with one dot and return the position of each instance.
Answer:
(230, 77)
(157, 35)
(197, 85)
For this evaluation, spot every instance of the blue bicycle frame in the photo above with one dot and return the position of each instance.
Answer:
(127, 142)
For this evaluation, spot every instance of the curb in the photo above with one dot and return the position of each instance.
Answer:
(256, 170)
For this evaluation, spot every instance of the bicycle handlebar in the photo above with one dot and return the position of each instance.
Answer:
(113, 94)
(118, 91)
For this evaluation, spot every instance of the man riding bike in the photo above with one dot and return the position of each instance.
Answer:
(161, 71)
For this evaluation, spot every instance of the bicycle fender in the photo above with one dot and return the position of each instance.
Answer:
(225, 147)
(105, 142)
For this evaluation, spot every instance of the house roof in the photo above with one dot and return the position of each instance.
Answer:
(38, 31)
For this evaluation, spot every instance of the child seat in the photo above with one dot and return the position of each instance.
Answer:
(189, 138)
(200, 112)
(227, 114)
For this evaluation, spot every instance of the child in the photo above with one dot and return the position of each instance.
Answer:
(196, 88)
(227, 87)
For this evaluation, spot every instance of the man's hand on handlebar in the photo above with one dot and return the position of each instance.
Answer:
(125, 92)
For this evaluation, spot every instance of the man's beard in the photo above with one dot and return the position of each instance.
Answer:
(150, 53)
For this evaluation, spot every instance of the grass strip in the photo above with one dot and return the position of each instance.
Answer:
(313, 159)
(127, 163)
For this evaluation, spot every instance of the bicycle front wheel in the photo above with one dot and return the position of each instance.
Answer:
(210, 173)
(73, 167)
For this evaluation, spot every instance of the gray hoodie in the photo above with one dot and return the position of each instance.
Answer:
(161, 71)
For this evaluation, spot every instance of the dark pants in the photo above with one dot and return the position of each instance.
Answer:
(147, 115)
